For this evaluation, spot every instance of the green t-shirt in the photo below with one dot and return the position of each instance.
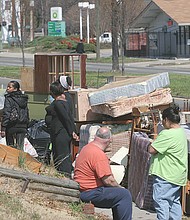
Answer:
(170, 163)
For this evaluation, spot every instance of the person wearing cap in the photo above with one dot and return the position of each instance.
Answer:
(97, 184)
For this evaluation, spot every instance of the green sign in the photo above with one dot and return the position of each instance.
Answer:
(56, 28)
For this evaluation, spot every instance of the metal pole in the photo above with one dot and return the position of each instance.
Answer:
(31, 20)
(81, 23)
(31, 25)
(1, 11)
(13, 19)
(88, 25)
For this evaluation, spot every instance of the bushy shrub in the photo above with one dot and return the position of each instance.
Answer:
(63, 43)
(89, 47)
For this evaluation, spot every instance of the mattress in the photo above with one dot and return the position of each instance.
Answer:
(124, 105)
(128, 88)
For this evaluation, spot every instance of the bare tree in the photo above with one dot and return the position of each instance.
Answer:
(115, 31)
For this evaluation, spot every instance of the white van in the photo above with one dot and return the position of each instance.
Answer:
(106, 37)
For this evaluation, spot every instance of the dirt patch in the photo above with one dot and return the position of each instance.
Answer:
(34, 205)
(29, 205)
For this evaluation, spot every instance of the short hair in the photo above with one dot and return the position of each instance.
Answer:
(15, 84)
(56, 89)
(69, 80)
(103, 133)
(172, 114)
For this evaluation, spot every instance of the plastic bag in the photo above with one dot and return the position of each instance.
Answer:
(28, 148)
(3, 140)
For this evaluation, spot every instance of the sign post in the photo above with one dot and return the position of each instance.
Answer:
(56, 28)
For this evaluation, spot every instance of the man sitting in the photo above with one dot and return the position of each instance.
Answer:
(97, 184)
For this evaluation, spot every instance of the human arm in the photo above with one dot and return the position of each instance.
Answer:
(160, 144)
(152, 150)
(6, 115)
(63, 115)
(110, 181)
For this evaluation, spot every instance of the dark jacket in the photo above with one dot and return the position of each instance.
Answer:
(80, 48)
(19, 101)
(58, 117)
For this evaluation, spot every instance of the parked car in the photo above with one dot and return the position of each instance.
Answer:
(105, 37)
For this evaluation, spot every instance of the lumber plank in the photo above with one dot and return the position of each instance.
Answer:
(67, 183)
(63, 198)
(54, 189)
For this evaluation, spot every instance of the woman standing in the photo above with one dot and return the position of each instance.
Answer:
(66, 82)
(15, 116)
(169, 166)
(61, 128)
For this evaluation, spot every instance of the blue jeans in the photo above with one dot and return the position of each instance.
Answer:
(166, 198)
(117, 198)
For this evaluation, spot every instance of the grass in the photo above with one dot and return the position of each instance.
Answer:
(10, 72)
(179, 83)
(126, 60)
(11, 207)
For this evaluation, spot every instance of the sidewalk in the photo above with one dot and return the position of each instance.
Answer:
(137, 213)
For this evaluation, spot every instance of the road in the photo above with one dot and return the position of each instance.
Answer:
(152, 67)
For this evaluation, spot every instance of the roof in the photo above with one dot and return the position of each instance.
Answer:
(178, 10)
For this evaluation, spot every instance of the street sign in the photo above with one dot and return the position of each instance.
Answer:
(56, 14)
(56, 28)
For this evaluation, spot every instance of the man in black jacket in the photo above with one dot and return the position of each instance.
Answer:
(80, 47)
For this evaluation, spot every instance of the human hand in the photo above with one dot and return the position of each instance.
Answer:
(2, 134)
(75, 136)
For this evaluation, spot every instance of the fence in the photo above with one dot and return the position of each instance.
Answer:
(158, 44)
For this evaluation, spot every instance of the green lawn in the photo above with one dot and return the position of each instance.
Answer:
(179, 83)
(126, 60)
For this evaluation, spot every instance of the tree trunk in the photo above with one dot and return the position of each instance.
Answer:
(97, 30)
(115, 47)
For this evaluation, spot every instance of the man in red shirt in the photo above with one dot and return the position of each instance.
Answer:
(97, 184)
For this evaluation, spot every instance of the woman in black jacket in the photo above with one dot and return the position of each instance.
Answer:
(15, 116)
(61, 129)
(66, 82)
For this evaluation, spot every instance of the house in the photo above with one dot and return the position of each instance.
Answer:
(166, 24)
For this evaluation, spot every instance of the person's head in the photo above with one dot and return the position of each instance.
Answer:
(13, 86)
(103, 137)
(56, 89)
(170, 116)
(65, 81)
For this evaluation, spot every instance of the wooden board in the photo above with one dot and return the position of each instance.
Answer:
(82, 109)
(11, 156)
(27, 79)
